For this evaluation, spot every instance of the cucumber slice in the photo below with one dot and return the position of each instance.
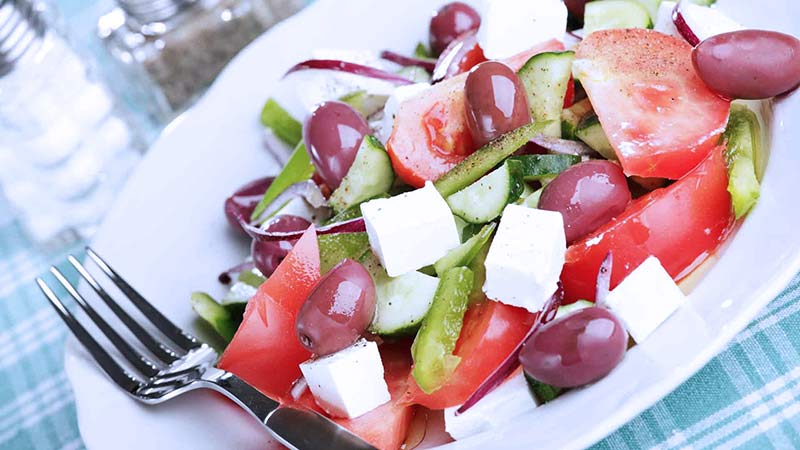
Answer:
(485, 158)
(608, 14)
(466, 252)
(572, 116)
(543, 393)
(365, 103)
(535, 167)
(566, 310)
(744, 137)
(298, 168)
(592, 134)
(401, 303)
(433, 346)
(416, 74)
(215, 314)
(283, 125)
(334, 248)
(532, 200)
(485, 199)
(546, 77)
(421, 51)
(652, 7)
(703, 2)
(370, 175)
(478, 268)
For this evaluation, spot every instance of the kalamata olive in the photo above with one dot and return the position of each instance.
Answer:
(576, 8)
(575, 350)
(268, 255)
(587, 195)
(338, 310)
(243, 202)
(460, 56)
(496, 102)
(451, 21)
(332, 135)
(749, 64)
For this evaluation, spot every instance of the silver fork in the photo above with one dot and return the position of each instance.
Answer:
(186, 365)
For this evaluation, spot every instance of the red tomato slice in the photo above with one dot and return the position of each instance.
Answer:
(430, 134)
(658, 114)
(265, 351)
(681, 225)
(491, 331)
(385, 427)
(569, 97)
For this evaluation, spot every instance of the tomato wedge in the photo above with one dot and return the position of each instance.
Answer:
(660, 117)
(386, 426)
(491, 331)
(265, 351)
(681, 225)
(430, 134)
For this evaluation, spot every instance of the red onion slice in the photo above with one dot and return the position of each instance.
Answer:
(563, 146)
(227, 276)
(511, 362)
(408, 61)
(356, 225)
(604, 280)
(349, 67)
(308, 190)
(683, 28)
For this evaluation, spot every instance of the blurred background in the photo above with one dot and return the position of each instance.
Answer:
(87, 85)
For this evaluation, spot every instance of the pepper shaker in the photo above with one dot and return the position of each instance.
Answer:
(175, 48)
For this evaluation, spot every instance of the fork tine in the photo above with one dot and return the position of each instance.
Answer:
(139, 362)
(106, 362)
(156, 348)
(184, 340)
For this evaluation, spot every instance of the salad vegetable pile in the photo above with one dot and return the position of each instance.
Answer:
(509, 195)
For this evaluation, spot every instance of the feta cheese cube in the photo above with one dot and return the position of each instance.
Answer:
(664, 21)
(526, 257)
(507, 401)
(509, 27)
(411, 230)
(400, 94)
(645, 299)
(350, 382)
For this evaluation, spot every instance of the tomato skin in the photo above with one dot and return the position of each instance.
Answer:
(681, 225)
(265, 351)
(569, 97)
(430, 134)
(490, 333)
(660, 117)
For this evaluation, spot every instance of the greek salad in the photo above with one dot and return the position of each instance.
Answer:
(494, 219)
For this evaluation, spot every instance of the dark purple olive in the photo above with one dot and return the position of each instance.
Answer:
(459, 57)
(496, 102)
(575, 350)
(587, 195)
(749, 64)
(339, 309)
(576, 8)
(268, 255)
(243, 202)
(451, 21)
(332, 135)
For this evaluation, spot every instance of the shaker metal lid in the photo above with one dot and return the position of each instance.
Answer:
(21, 28)
(148, 11)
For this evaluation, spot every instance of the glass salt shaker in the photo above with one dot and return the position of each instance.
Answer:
(178, 47)
(65, 148)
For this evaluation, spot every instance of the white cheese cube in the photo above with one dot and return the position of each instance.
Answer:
(509, 27)
(401, 94)
(706, 22)
(507, 401)
(350, 382)
(664, 22)
(645, 299)
(526, 257)
(411, 230)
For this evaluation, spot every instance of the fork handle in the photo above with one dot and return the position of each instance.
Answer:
(257, 404)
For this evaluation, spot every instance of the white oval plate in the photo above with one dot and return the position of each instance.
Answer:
(168, 236)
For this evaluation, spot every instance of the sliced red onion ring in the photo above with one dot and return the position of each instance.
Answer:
(563, 146)
(308, 190)
(356, 225)
(511, 362)
(697, 23)
(683, 28)
(604, 280)
(408, 61)
(349, 67)
(227, 276)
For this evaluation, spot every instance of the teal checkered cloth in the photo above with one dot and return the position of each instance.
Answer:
(747, 397)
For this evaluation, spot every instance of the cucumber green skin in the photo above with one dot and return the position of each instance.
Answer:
(743, 135)
(591, 132)
(251, 278)
(433, 346)
(335, 248)
(466, 252)
(421, 51)
(214, 314)
(609, 14)
(543, 393)
(534, 167)
(298, 168)
(546, 77)
(572, 116)
(370, 175)
(478, 268)
(485, 199)
(365, 103)
(285, 127)
(532, 201)
(485, 159)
